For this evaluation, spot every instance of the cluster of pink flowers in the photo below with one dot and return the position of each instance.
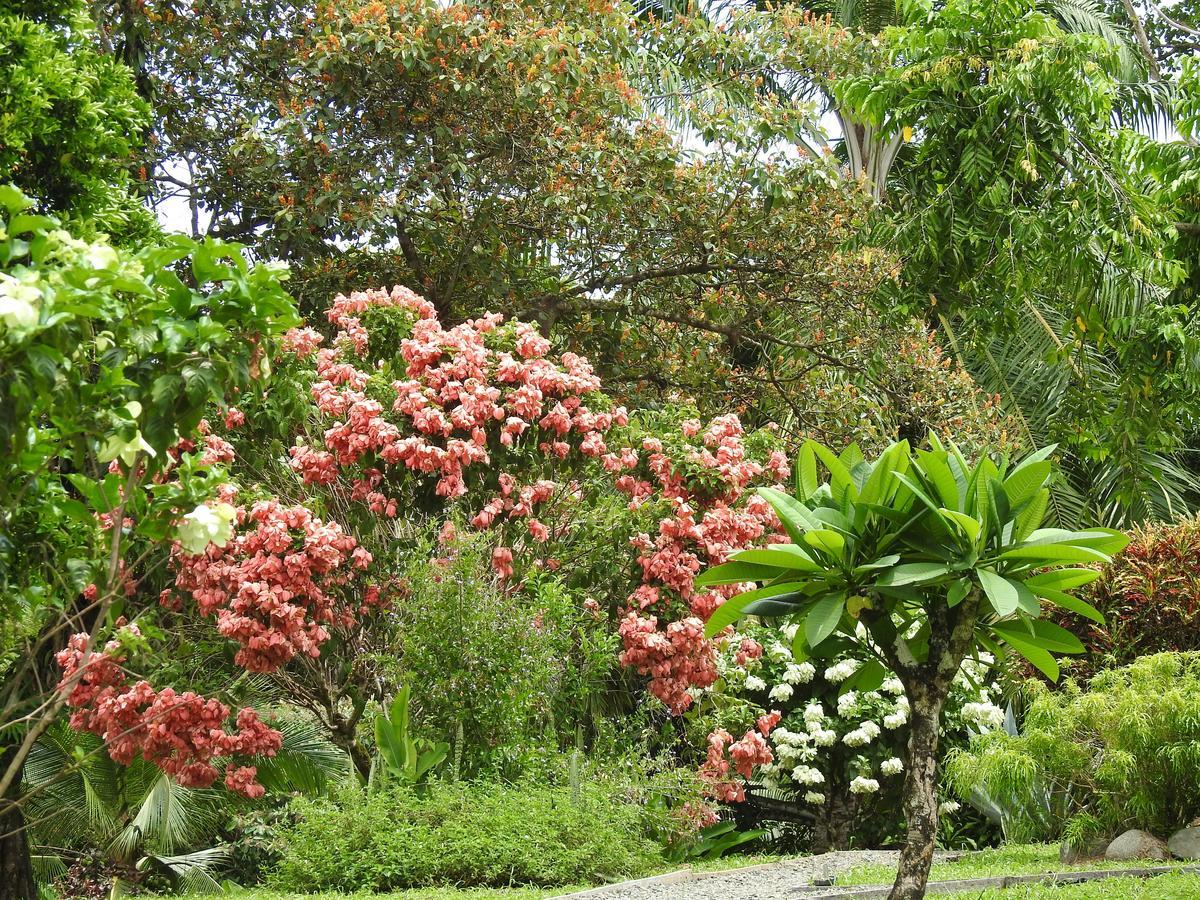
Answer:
(461, 400)
(742, 756)
(273, 587)
(183, 734)
(708, 481)
(676, 659)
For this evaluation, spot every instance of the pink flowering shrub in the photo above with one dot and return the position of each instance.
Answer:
(445, 407)
(274, 587)
(704, 479)
(183, 734)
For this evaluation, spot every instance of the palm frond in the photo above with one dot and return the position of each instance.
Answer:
(306, 762)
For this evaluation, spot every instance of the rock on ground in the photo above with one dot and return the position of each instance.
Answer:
(1137, 844)
(1185, 843)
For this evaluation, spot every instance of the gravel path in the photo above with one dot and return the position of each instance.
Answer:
(792, 879)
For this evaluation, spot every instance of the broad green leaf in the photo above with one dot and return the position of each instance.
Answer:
(823, 618)
(829, 541)
(795, 516)
(938, 473)
(1063, 579)
(869, 677)
(969, 525)
(1006, 595)
(1069, 602)
(912, 573)
(1032, 515)
(735, 573)
(884, 562)
(1040, 633)
(1025, 482)
(1055, 553)
(1036, 655)
(806, 473)
(957, 592)
(732, 609)
(780, 556)
(839, 475)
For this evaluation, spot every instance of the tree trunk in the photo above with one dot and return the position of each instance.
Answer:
(16, 864)
(920, 791)
(835, 821)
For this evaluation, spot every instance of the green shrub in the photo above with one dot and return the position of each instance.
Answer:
(1125, 753)
(463, 835)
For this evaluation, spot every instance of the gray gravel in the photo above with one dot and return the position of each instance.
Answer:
(773, 881)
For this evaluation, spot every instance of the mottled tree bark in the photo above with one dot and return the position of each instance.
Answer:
(16, 864)
(920, 793)
(835, 821)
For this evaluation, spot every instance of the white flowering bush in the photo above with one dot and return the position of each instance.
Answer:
(840, 742)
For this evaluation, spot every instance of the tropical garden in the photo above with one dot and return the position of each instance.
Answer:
(498, 448)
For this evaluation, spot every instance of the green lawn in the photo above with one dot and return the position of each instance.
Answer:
(1033, 859)
(1024, 859)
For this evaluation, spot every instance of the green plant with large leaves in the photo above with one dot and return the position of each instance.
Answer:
(408, 759)
(925, 559)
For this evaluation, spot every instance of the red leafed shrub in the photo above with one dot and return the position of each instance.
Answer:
(1149, 596)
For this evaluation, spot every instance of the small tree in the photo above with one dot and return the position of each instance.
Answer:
(926, 560)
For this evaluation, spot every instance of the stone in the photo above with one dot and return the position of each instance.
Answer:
(1185, 843)
(1091, 850)
(1137, 844)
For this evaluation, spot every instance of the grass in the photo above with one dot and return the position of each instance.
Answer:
(1163, 887)
(1023, 859)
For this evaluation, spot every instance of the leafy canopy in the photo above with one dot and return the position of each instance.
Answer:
(917, 548)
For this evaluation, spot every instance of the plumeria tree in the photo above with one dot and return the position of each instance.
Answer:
(936, 560)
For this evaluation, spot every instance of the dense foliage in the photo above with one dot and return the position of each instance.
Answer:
(464, 835)
(1096, 760)
(528, 572)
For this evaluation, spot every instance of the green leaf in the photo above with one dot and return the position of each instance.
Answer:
(912, 573)
(969, 525)
(733, 608)
(957, 592)
(1063, 579)
(795, 516)
(806, 473)
(1069, 602)
(1036, 655)
(735, 573)
(1056, 553)
(869, 677)
(829, 541)
(1006, 595)
(1025, 482)
(839, 476)
(780, 556)
(823, 618)
(884, 562)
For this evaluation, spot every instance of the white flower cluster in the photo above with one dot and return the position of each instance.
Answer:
(777, 652)
(807, 775)
(814, 797)
(839, 672)
(893, 766)
(754, 683)
(861, 785)
(781, 693)
(862, 735)
(801, 673)
(847, 702)
(20, 300)
(206, 525)
(985, 715)
(949, 808)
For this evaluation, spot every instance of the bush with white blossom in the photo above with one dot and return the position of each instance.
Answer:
(840, 741)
